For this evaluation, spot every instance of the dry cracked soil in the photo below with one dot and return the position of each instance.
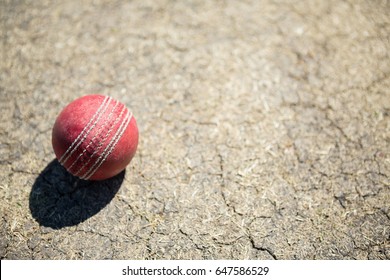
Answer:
(264, 129)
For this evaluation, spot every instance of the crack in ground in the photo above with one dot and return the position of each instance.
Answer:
(262, 249)
(199, 247)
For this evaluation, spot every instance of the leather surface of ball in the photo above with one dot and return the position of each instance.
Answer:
(95, 137)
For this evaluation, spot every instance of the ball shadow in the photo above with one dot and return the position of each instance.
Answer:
(58, 199)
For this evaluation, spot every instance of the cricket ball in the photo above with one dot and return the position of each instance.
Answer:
(95, 137)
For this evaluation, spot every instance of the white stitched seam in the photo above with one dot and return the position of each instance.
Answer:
(107, 151)
(89, 130)
(85, 128)
(102, 141)
(111, 146)
(94, 137)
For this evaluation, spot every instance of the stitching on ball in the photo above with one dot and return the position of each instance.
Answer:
(101, 142)
(98, 115)
(106, 122)
(110, 147)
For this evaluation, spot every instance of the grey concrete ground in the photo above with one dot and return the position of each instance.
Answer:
(264, 129)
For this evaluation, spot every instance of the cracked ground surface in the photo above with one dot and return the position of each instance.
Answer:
(264, 129)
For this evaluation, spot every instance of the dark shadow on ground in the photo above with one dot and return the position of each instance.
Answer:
(58, 199)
